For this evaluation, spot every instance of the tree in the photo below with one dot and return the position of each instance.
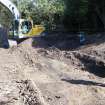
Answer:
(99, 9)
(42, 11)
(75, 13)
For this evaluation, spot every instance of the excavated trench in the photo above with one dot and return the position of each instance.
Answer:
(92, 64)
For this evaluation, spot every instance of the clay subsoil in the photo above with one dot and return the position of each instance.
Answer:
(54, 70)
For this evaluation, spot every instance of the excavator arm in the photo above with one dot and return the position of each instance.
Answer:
(11, 7)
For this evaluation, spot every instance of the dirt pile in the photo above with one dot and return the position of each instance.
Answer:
(80, 67)
(42, 73)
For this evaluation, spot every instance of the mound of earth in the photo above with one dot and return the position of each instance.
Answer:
(42, 72)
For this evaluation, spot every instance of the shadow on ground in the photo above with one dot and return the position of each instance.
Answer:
(66, 41)
(92, 64)
(84, 82)
(60, 41)
(95, 69)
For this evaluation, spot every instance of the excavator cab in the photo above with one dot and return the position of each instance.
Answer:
(24, 28)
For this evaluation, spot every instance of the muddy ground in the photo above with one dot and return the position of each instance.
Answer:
(55, 70)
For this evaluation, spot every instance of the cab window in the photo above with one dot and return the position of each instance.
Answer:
(26, 27)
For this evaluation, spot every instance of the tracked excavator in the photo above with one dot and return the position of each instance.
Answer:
(21, 28)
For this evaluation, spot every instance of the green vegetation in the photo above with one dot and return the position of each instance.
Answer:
(86, 15)
(75, 15)
(47, 12)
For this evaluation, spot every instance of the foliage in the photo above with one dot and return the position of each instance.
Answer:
(42, 11)
(74, 14)
(88, 14)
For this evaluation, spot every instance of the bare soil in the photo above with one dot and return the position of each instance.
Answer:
(55, 70)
